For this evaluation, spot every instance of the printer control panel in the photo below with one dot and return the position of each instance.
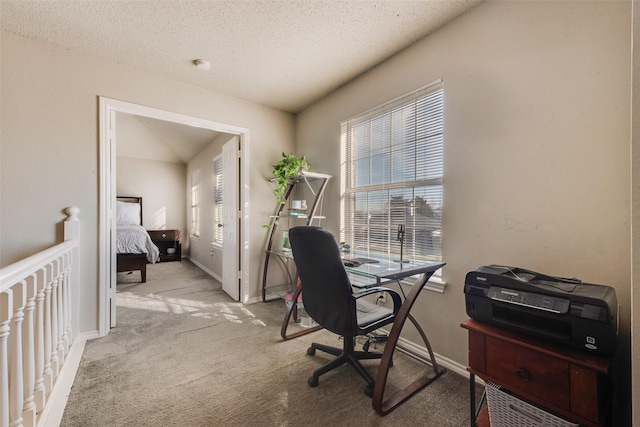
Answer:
(529, 299)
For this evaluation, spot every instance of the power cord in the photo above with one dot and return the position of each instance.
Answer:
(374, 339)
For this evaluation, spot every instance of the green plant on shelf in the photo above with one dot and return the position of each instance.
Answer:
(286, 169)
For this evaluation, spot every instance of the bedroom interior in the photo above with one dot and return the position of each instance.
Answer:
(153, 157)
(158, 153)
(541, 160)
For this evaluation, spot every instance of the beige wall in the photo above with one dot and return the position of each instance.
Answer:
(49, 153)
(161, 186)
(537, 124)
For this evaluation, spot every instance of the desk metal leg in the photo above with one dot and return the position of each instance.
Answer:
(291, 308)
(472, 399)
(383, 407)
(475, 407)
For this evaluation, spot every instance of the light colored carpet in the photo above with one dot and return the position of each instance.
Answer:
(184, 354)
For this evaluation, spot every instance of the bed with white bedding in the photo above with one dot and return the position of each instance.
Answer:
(134, 239)
(134, 246)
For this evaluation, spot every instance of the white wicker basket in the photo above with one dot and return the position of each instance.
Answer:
(506, 410)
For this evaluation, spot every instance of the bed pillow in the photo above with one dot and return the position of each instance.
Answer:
(127, 213)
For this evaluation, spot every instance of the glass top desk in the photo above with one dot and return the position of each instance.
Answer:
(385, 271)
(382, 272)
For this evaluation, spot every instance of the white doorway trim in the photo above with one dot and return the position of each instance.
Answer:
(106, 267)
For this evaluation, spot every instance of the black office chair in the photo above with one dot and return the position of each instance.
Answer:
(329, 299)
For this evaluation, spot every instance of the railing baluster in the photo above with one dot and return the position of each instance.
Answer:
(16, 373)
(6, 312)
(28, 362)
(39, 390)
(65, 303)
(59, 316)
(48, 373)
(53, 313)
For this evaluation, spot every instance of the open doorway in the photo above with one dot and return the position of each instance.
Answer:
(109, 110)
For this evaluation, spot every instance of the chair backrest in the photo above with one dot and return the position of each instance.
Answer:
(326, 289)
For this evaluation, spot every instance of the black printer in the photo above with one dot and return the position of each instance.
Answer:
(561, 310)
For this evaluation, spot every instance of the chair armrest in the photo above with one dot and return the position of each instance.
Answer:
(397, 301)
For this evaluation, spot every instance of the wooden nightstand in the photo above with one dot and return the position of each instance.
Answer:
(166, 240)
(572, 384)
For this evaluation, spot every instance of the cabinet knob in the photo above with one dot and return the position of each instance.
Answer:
(164, 235)
(523, 374)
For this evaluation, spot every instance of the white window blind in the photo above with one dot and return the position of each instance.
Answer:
(391, 175)
(217, 199)
(195, 204)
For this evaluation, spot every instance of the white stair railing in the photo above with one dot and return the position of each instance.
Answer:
(38, 296)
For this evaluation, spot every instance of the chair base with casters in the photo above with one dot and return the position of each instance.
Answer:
(348, 353)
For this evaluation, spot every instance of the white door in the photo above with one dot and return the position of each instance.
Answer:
(230, 215)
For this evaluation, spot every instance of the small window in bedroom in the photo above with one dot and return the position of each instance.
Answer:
(195, 204)
(217, 200)
(391, 170)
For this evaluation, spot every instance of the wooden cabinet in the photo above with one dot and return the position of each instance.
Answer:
(169, 242)
(571, 384)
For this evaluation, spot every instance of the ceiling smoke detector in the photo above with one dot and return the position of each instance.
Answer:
(202, 65)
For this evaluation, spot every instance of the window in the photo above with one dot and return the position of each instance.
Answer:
(195, 204)
(217, 199)
(391, 171)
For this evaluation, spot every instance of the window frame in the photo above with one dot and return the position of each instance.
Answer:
(218, 183)
(387, 136)
(195, 204)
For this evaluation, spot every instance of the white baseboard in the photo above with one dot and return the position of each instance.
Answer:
(206, 270)
(53, 411)
(90, 335)
(422, 353)
(256, 300)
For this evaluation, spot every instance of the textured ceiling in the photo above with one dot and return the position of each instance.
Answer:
(285, 54)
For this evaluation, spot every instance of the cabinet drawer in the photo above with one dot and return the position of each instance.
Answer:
(528, 372)
(166, 235)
